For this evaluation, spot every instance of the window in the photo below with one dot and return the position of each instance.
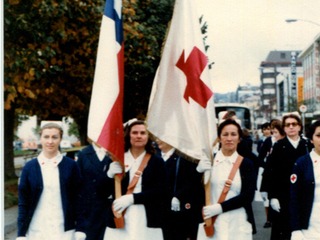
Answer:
(283, 55)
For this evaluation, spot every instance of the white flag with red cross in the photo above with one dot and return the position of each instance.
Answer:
(181, 107)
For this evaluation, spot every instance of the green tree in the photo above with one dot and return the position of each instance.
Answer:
(50, 51)
(145, 25)
(204, 30)
(73, 130)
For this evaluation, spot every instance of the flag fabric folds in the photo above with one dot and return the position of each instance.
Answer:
(105, 123)
(181, 107)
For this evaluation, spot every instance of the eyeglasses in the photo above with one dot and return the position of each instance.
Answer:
(294, 124)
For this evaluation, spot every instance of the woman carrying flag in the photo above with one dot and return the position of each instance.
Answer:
(143, 205)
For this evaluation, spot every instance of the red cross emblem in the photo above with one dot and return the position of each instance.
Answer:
(193, 68)
(187, 206)
(293, 178)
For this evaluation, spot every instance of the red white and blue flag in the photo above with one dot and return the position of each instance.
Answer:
(105, 124)
(181, 107)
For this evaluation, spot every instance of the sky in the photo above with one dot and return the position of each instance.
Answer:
(242, 33)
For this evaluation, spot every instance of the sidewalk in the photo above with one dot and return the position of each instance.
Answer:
(10, 220)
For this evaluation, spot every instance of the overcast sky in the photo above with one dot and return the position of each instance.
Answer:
(242, 33)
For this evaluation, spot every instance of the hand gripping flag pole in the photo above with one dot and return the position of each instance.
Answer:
(181, 108)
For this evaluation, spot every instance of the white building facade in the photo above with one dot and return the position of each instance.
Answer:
(278, 83)
(311, 76)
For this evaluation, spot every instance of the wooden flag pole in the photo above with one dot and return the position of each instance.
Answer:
(117, 189)
(208, 227)
(118, 217)
(207, 189)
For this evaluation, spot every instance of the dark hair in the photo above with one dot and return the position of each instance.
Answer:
(49, 126)
(229, 121)
(265, 125)
(312, 129)
(296, 117)
(276, 123)
(245, 132)
(127, 145)
(230, 113)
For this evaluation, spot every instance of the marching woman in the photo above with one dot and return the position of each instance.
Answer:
(266, 149)
(234, 215)
(185, 196)
(144, 206)
(305, 191)
(280, 164)
(48, 193)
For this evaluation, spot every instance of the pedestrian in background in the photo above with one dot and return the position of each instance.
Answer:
(94, 164)
(305, 191)
(266, 131)
(277, 134)
(49, 189)
(247, 138)
(234, 215)
(144, 207)
(281, 161)
(185, 196)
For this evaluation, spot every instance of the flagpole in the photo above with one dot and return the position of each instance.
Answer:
(117, 186)
(207, 188)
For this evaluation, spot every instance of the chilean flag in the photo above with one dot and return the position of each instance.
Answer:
(181, 107)
(105, 124)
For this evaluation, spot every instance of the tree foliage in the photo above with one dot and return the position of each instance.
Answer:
(145, 25)
(49, 49)
(50, 53)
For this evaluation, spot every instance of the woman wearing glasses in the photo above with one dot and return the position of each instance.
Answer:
(285, 153)
(305, 191)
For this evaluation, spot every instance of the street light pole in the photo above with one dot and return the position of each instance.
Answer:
(295, 20)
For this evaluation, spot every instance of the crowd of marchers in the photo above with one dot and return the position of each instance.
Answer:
(167, 195)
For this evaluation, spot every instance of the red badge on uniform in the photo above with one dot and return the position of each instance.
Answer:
(293, 178)
(187, 206)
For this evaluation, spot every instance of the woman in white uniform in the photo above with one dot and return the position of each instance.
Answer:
(48, 193)
(305, 191)
(235, 216)
(144, 207)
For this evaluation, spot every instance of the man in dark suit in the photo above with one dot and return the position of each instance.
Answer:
(94, 163)
(185, 196)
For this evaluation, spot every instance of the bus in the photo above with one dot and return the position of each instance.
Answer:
(242, 112)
